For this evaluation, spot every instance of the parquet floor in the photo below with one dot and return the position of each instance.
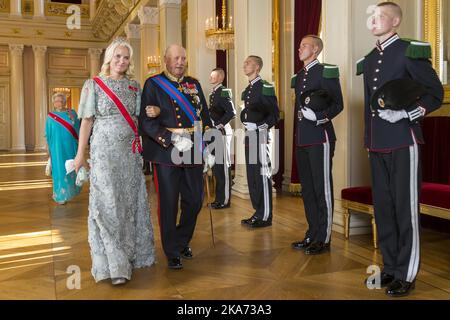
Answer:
(39, 241)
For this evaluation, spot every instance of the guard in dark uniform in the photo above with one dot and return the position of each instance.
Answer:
(315, 141)
(392, 138)
(173, 143)
(260, 113)
(222, 111)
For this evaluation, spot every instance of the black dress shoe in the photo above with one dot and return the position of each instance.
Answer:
(317, 248)
(175, 263)
(221, 206)
(186, 253)
(247, 221)
(385, 280)
(400, 288)
(301, 245)
(258, 223)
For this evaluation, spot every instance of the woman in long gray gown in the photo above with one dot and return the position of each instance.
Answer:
(119, 225)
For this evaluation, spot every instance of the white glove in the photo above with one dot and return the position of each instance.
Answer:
(309, 114)
(48, 168)
(264, 126)
(182, 144)
(219, 126)
(250, 126)
(82, 176)
(210, 160)
(70, 166)
(392, 116)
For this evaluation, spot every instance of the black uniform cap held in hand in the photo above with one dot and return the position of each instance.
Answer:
(316, 100)
(397, 94)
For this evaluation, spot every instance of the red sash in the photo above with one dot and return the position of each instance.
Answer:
(136, 146)
(64, 123)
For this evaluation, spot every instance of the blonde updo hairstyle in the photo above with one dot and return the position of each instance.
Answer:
(109, 54)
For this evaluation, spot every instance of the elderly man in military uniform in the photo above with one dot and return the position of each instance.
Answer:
(173, 143)
(393, 139)
(315, 142)
(259, 115)
(222, 111)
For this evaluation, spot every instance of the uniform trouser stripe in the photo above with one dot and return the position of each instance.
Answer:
(327, 186)
(226, 170)
(415, 250)
(264, 176)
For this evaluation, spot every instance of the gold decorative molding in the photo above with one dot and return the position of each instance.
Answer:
(276, 44)
(432, 31)
(60, 9)
(5, 6)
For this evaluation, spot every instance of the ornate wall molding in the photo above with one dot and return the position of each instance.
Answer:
(169, 2)
(39, 50)
(96, 52)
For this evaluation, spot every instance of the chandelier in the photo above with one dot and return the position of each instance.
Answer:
(220, 37)
(153, 64)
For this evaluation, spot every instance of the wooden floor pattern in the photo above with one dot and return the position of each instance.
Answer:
(40, 240)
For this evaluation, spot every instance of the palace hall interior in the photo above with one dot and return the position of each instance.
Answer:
(48, 51)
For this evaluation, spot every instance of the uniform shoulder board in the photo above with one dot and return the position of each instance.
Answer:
(360, 66)
(330, 71)
(268, 89)
(418, 49)
(293, 81)
(226, 93)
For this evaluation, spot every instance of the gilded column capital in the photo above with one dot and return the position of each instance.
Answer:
(16, 49)
(95, 52)
(148, 15)
(132, 31)
(39, 50)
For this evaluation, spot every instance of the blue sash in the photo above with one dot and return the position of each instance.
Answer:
(181, 100)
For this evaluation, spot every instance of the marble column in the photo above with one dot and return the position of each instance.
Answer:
(170, 23)
(201, 60)
(41, 95)
(134, 38)
(253, 36)
(15, 8)
(17, 98)
(149, 20)
(94, 57)
(39, 9)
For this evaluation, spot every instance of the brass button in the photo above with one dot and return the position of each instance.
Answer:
(160, 138)
(179, 124)
(178, 117)
(178, 109)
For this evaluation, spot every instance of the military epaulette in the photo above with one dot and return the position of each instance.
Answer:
(268, 89)
(330, 71)
(293, 81)
(360, 64)
(226, 93)
(418, 49)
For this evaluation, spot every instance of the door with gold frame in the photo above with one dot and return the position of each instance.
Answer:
(437, 31)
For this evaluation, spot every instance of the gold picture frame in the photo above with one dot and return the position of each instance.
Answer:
(432, 14)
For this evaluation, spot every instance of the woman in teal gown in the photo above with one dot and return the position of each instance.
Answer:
(62, 146)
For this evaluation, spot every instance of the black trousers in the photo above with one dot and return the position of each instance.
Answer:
(174, 184)
(314, 164)
(257, 158)
(396, 181)
(222, 172)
